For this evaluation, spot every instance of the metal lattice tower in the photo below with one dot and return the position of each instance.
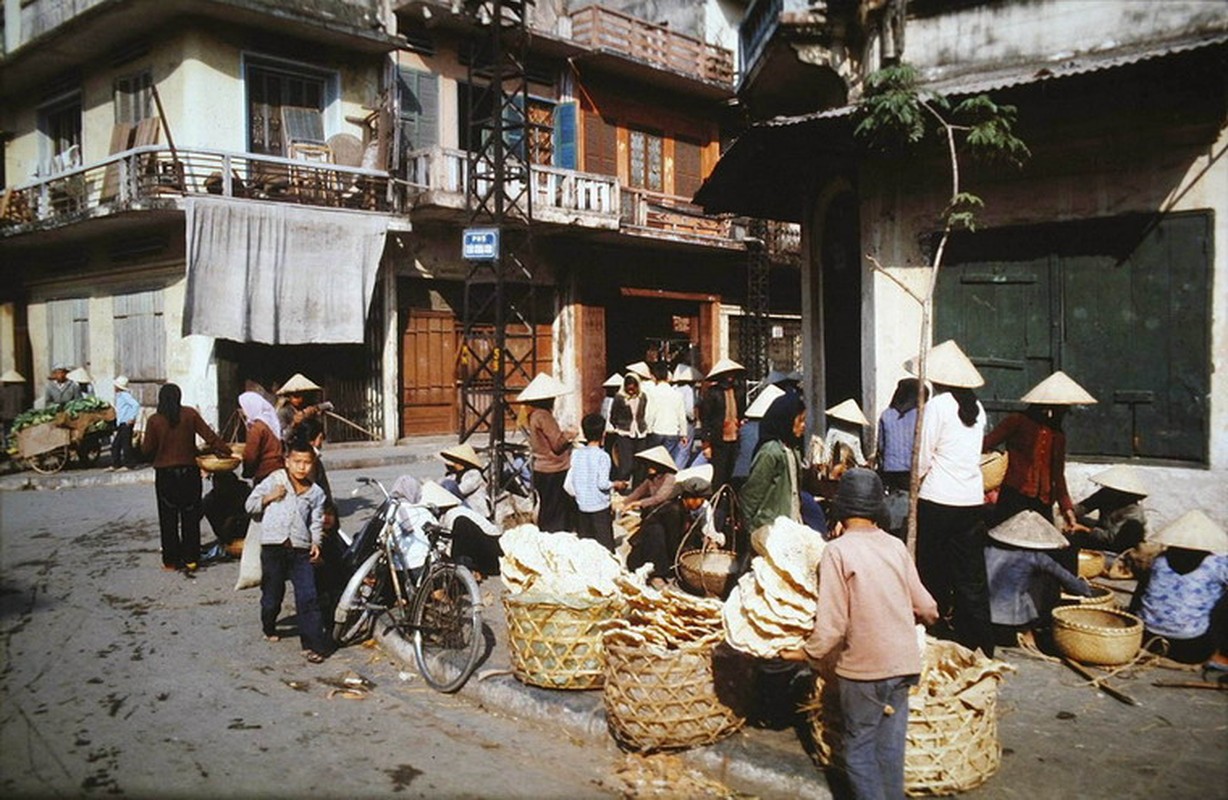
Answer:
(499, 326)
(754, 338)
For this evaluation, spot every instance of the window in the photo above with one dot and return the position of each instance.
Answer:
(646, 160)
(284, 106)
(68, 331)
(1119, 304)
(134, 98)
(536, 126)
(60, 125)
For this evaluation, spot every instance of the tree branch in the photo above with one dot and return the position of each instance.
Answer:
(874, 263)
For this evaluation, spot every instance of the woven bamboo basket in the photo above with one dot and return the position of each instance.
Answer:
(1091, 564)
(237, 448)
(212, 463)
(555, 642)
(993, 470)
(670, 699)
(951, 745)
(708, 570)
(1102, 597)
(1097, 635)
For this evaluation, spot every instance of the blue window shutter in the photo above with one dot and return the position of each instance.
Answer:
(565, 135)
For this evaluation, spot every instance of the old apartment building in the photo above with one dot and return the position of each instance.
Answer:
(1104, 256)
(215, 192)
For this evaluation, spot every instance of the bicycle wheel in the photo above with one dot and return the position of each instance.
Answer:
(365, 596)
(447, 627)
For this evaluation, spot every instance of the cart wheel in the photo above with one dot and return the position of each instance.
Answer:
(51, 461)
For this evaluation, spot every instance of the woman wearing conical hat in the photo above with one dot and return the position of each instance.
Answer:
(1036, 447)
(1185, 596)
(463, 477)
(773, 488)
(1120, 522)
(720, 414)
(551, 449)
(842, 443)
(661, 511)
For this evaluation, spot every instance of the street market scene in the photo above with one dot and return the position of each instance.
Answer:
(641, 398)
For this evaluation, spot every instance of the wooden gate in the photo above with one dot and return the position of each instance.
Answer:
(429, 394)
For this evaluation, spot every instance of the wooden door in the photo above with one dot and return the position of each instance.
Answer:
(428, 375)
(591, 324)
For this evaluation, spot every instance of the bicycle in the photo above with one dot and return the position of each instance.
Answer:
(428, 599)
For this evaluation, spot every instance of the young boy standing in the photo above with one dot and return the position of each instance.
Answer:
(870, 598)
(588, 480)
(292, 530)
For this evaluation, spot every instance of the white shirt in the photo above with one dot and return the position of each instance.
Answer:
(666, 412)
(950, 457)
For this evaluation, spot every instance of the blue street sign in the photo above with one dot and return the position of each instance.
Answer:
(480, 244)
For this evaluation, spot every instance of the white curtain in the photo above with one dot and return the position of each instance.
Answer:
(279, 274)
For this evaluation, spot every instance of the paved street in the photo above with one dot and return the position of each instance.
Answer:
(121, 678)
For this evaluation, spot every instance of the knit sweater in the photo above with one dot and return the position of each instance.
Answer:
(176, 447)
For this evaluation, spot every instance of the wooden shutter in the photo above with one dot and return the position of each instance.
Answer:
(565, 136)
(687, 169)
(419, 109)
(68, 331)
(140, 342)
(600, 145)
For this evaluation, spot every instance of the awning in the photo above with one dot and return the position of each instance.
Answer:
(279, 274)
(766, 172)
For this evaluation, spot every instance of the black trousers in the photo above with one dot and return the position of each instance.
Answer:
(951, 561)
(555, 510)
(121, 446)
(658, 540)
(179, 511)
(625, 467)
(475, 548)
(598, 525)
(724, 456)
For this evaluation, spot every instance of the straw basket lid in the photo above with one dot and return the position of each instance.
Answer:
(685, 373)
(723, 366)
(947, 365)
(435, 495)
(80, 375)
(120, 382)
(694, 480)
(543, 387)
(615, 381)
(1029, 530)
(848, 411)
(12, 376)
(1059, 389)
(640, 369)
(464, 454)
(1123, 478)
(763, 402)
(660, 456)
(1194, 530)
(298, 384)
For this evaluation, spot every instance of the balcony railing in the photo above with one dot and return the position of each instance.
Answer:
(145, 174)
(606, 29)
(784, 240)
(656, 214)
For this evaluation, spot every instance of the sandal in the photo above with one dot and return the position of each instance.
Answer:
(314, 658)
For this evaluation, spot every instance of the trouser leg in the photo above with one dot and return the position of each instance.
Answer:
(273, 573)
(306, 601)
(168, 519)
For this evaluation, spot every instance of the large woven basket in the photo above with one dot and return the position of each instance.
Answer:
(710, 571)
(1102, 597)
(671, 699)
(555, 642)
(993, 469)
(1091, 563)
(1092, 635)
(951, 745)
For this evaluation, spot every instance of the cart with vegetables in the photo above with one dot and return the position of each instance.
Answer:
(46, 438)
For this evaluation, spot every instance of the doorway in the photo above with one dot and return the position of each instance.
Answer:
(840, 261)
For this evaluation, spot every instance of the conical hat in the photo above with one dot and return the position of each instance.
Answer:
(763, 402)
(80, 375)
(848, 411)
(435, 495)
(946, 364)
(1059, 389)
(1123, 478)
(1031, 530)
(641, 369)
(723, 366)
(685, 373)
(615, 381)
(660, 456)
(12, 376)
(1194, 530)
(542, 387)
(464, 453)
(298, 384)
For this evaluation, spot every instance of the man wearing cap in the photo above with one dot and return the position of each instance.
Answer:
(59, 388)
(871, 599)
(126, 411)
(720, 414)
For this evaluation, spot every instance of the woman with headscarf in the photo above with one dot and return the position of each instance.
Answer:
(773, 488)
(950, 530)
(628, 420)
(262, 450)
(551, 449)
(170, 438)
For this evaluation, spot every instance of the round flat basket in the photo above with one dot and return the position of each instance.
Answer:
(1094, 635)
(671, 699)
(555, 642)
(1102, 597)
(713, 572)
(951, 745)
(237, 448)
(993, 470)
(1091, 564)
(212, 463)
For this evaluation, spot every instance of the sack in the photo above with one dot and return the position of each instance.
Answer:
(249, 563)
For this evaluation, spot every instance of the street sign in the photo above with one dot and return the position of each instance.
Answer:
(480, 244)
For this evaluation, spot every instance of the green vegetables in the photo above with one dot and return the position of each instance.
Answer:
(73, 408)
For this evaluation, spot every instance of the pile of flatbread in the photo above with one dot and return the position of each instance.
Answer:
(949, 669)
(560, 564)
(773, 606)
(666, 620)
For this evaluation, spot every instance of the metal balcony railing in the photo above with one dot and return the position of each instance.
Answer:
(606, 29)
(145, 174)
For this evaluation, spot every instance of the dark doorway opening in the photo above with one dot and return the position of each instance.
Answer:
(841, 264)
(650, 329)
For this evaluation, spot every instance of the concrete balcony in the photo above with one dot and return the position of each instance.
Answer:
(153, 178)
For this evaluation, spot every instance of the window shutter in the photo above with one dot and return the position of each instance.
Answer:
(600, 145)
(565, 135)
(419, 109)
(686, 168)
